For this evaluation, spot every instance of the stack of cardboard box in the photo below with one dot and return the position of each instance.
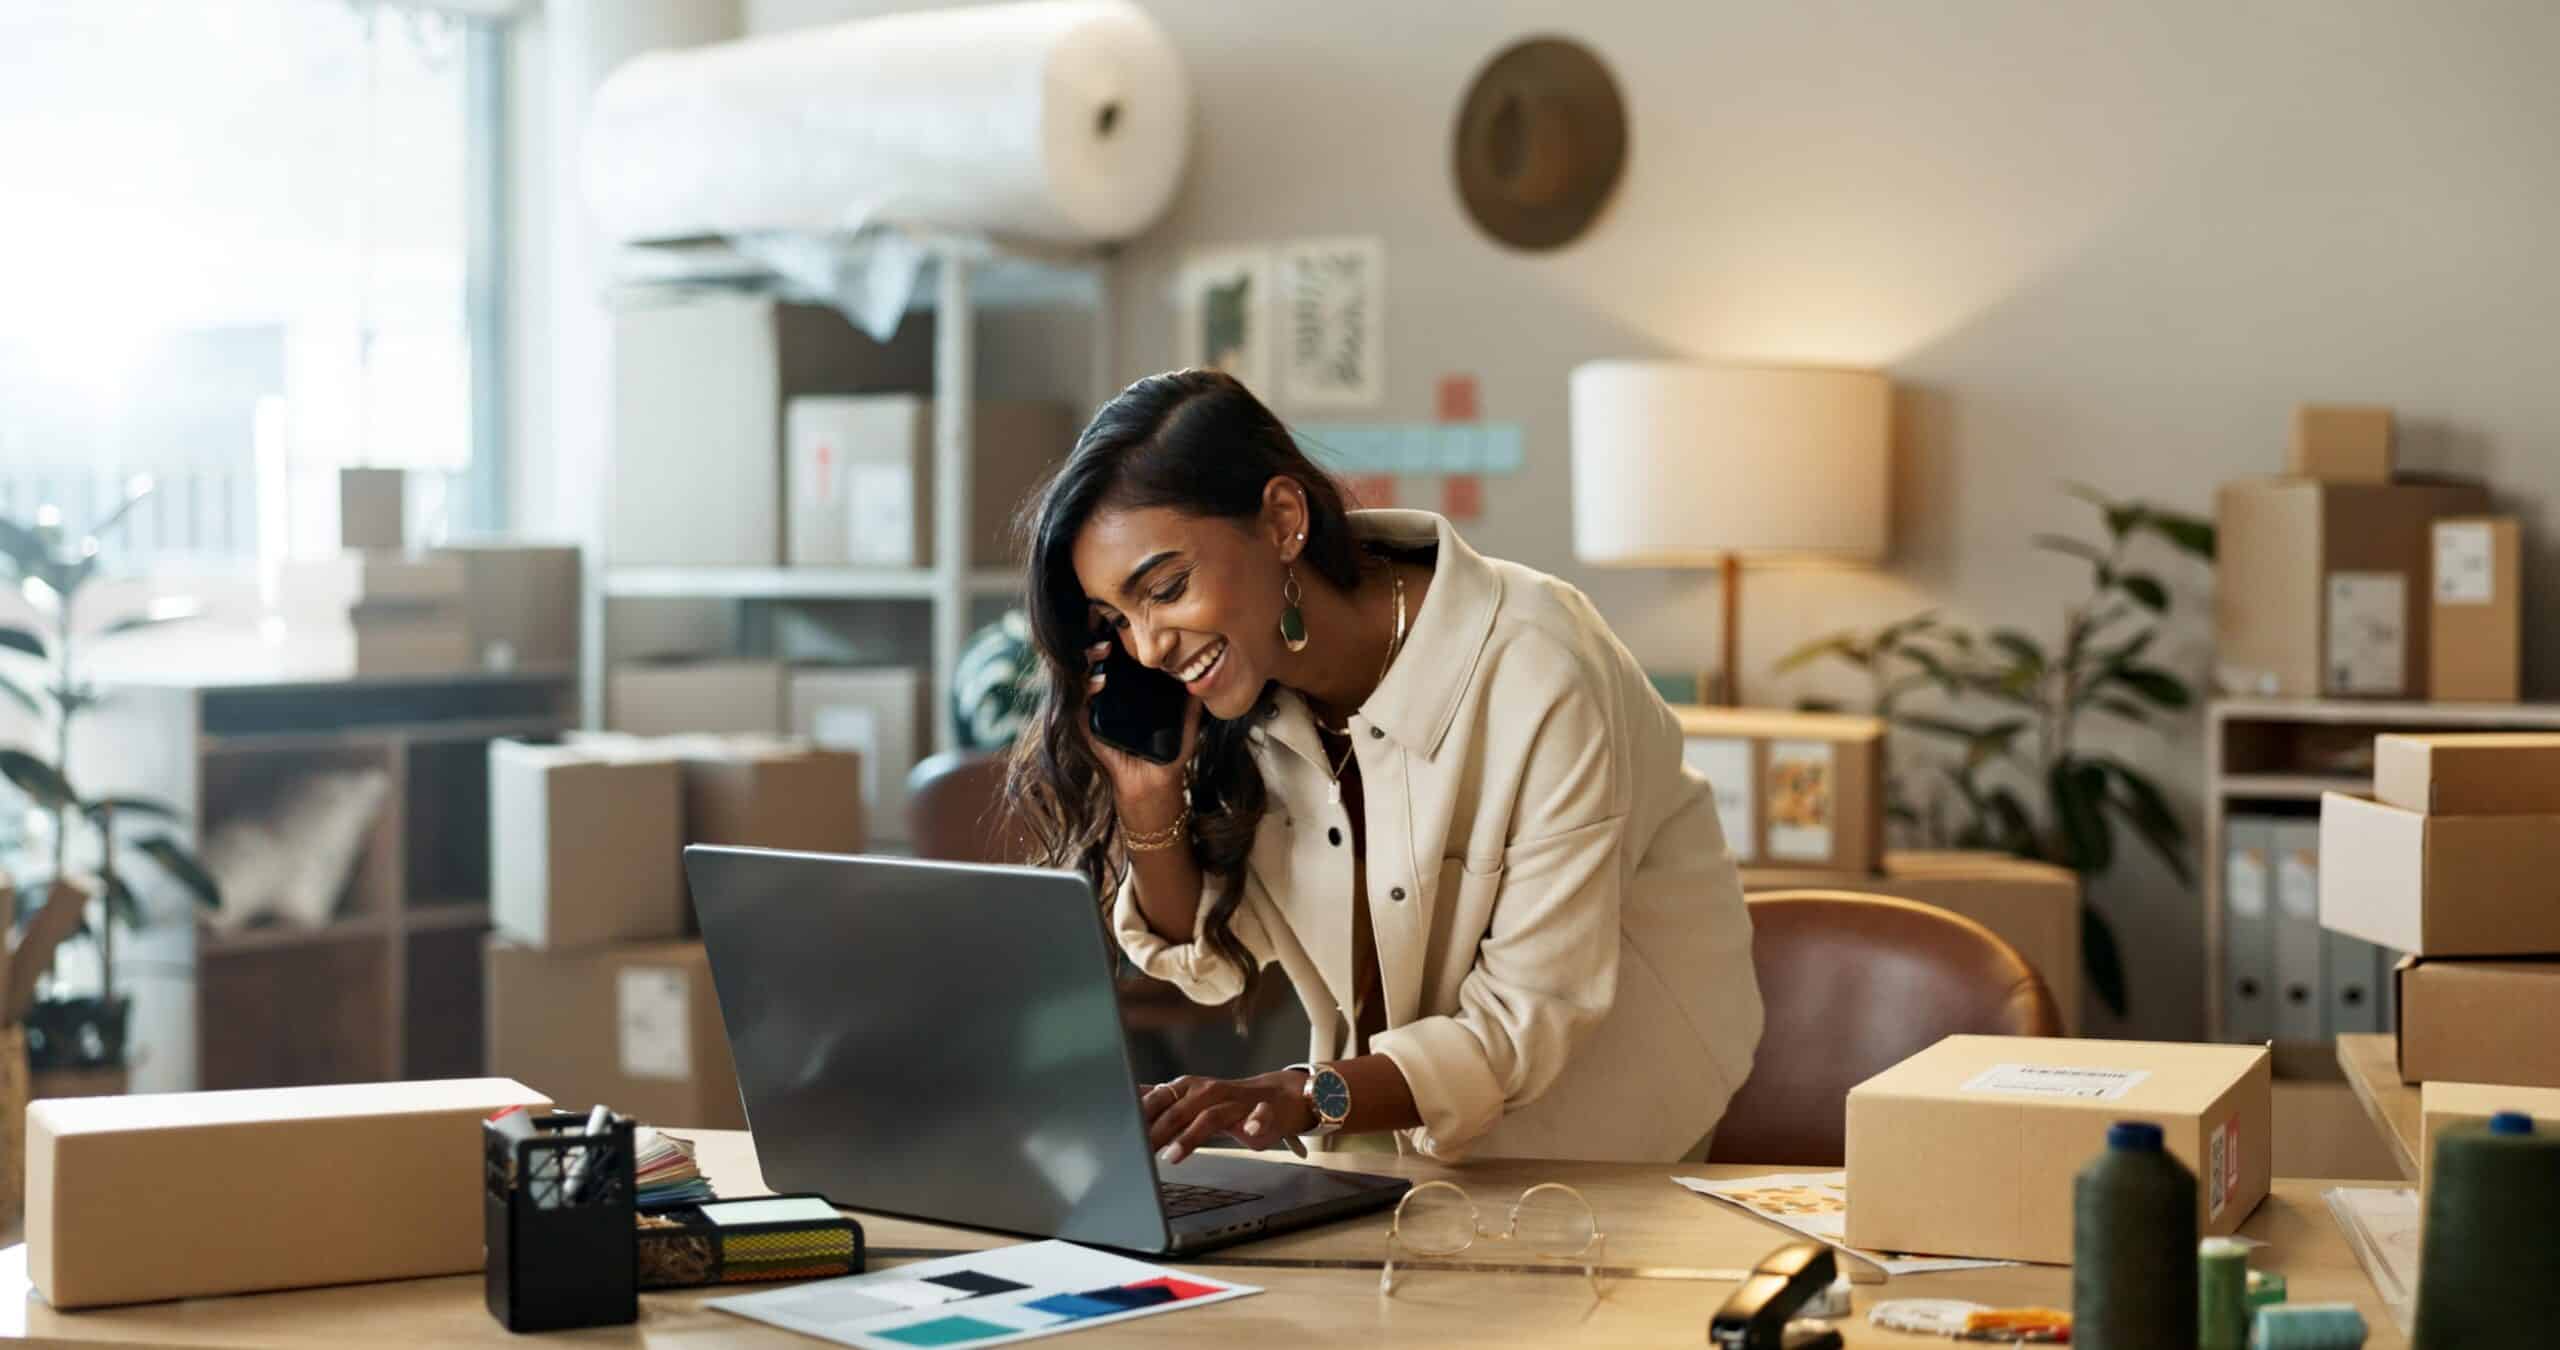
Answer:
(2347, 578)
(595, 992)
(877, 713)
(2456, 861)
(378, 608)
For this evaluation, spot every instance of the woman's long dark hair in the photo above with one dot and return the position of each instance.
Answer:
(1200, 443)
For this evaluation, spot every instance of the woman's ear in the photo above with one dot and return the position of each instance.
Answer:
(1284, 516)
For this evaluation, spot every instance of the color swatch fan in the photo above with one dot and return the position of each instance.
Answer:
(663, 1170)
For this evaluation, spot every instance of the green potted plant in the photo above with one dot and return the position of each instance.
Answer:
(70, 883)
(2024, 777)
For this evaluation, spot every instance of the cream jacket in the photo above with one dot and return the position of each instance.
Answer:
(1565, 952)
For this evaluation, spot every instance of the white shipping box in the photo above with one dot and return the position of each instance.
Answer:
(875, 713)
(862, 477)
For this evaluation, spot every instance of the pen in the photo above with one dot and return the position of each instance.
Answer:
(596, 1122)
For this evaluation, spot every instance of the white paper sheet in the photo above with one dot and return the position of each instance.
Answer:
(978, 1299)
(1816, 1204)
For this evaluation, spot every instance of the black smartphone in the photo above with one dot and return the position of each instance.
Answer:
(1140, 709)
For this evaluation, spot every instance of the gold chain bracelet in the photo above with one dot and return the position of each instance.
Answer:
(1156, 841)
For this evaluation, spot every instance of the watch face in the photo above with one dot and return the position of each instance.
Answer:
(1332, 1094)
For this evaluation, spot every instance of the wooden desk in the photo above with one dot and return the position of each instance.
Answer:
(2372, 1063)
(1321, 1286)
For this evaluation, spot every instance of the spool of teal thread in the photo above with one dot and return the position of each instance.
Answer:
(2222, 1294)
(2307, 1326)
(2133, 1246)
(2486, 1274)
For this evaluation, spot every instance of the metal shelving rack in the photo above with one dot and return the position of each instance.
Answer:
(2252, 758)
(959, 276)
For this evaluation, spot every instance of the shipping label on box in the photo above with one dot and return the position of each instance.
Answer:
(1726, 765)
(653, 1008)
(880, 511)
(2057, 1080)
(2465, 555)
(2368, 633)
(1802, 797)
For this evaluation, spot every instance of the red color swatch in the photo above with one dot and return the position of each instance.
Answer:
(1457, 399)
(1182, 1289)
(1462, 496)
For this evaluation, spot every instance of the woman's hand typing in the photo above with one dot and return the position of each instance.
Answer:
(1265, 1111)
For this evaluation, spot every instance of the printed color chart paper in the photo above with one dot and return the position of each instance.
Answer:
(981, 1298)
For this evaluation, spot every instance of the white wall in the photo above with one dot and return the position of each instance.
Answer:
(2109, 241)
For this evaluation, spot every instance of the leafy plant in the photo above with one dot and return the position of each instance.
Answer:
(51, 573)
(2023, 778)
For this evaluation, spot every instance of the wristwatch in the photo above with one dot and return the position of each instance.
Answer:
(1328, 1095)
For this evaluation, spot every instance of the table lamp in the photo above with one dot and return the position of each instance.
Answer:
(1683, 464)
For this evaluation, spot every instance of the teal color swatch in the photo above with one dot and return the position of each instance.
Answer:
(1414, 448)
(946, 1331)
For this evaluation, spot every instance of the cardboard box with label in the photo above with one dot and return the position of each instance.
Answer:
(2033, 906)
(2475, 649)
(1792, 789)
(184, 1194)
(519, 604)
(584, 848)
(2436, 885)
(2479, 1021)
(2471, 773)
(2441, 1105)
(2341, 443)
(862, 477)
(2322, 588)
(635, 1027)
(875, 713)
(679, 698)
(1969, 1147)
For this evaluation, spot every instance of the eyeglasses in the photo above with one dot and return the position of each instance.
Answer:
(1439, 1219)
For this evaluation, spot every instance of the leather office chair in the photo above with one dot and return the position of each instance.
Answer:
(955, 810)
(1854, 984)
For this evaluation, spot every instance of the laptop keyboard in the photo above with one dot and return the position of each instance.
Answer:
(1181, 1201)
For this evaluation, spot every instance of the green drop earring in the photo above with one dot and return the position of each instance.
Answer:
(1293, 620)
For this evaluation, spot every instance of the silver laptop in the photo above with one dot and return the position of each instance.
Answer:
(942, 1041)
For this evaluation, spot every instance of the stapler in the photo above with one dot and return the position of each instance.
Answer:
(1778, 1289)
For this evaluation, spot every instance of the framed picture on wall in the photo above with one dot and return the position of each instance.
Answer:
(1222, 314)
(1333, 322)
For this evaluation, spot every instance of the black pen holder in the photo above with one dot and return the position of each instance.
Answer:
(558, 1221)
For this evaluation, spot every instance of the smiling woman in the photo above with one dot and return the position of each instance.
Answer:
(1430, 786)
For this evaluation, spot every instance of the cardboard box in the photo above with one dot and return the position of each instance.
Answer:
(634, 1027)
(520, 604)
(2341, 444)
(696, 696)
(372, 509)
(2322, 588)
(379, 645)
(367, 585)
(2489, 773)
(2479, 1021)
(861, 482)
(2033, 906)
(1801, 789)
(583, 849)
(878, 714)
(699, 389)
(1969, 1147)
(2446, 1104)
(756, 791)
(2476, 651)
(184, 1194)
(2440, 885)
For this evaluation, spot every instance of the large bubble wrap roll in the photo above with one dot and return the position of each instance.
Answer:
(1061, 121)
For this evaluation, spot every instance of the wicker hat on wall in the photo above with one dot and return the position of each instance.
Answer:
(1540, 143)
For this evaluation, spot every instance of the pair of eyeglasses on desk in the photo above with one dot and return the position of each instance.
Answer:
(1438, 1220)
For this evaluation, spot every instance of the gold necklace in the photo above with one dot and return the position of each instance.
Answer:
(1395, 644)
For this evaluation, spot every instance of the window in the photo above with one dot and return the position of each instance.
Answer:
(247, 242)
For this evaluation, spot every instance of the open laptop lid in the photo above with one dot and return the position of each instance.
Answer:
(935, 1040)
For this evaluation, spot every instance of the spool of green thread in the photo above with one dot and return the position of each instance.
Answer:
(2133, 1246)
(2222, 1294)
(2485, 1274)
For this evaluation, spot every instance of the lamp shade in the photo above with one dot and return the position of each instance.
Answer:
(1679, 464)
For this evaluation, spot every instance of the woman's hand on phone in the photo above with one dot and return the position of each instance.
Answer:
(1150, 794)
